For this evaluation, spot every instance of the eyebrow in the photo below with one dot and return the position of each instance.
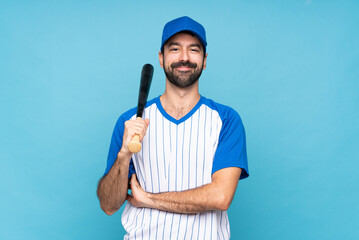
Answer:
(170, 44)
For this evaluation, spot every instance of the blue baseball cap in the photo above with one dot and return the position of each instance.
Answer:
(184, 24)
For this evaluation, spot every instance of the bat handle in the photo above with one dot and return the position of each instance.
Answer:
(135, 146)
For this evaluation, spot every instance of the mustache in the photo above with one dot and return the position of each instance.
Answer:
(183, 64)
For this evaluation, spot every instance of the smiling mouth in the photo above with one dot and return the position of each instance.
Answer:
(183, 69)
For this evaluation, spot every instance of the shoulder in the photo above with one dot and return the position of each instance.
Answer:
(226, 113)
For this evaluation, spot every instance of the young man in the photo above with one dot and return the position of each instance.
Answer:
(193, 152)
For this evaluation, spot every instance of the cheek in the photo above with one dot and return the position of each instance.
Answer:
(167, 62)
(198, 60)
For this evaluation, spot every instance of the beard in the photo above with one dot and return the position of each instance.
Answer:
(183, 79)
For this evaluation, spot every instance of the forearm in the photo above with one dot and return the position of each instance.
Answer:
(112, 188)
(205, 198)
(216, 195)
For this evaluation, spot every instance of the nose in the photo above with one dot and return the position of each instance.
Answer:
(184, 56)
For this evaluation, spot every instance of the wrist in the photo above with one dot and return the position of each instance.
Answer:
(124, 153)
(149, 202)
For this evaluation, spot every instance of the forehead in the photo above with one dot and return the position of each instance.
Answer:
(185, 39)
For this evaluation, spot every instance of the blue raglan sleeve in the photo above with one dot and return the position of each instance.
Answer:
(231, 150)
(115, 146)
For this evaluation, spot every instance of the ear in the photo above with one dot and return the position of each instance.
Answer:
(160, 57)
(205, 61)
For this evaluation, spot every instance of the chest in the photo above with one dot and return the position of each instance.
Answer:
(176, 157)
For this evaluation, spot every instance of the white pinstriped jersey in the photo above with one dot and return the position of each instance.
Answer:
(178, 155)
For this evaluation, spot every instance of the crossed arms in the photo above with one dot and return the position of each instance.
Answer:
(112, 188)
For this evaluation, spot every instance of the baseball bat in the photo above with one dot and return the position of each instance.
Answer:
(146, 78)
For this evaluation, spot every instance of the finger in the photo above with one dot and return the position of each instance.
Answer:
(139, 129)
(132, 130)
(142, 129)
(143, 123)
(135, 185)
(130, 199)
(136, 124)
(133, 180)
(133, 176)
(143, 134)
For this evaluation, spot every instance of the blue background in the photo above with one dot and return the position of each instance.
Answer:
(68, 69)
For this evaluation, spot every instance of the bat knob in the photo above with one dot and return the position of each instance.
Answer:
(135, 146)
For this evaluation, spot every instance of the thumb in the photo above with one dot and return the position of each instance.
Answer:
(147, 121)
(133, 179)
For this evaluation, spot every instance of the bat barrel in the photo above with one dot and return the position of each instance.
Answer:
(146, 79)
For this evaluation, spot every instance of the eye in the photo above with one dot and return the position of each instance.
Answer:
(195, 50)
(174, 49)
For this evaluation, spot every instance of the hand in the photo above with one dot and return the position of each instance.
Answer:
(132, 128)
(139, 197)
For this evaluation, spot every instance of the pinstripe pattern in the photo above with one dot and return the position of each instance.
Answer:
(176, 156)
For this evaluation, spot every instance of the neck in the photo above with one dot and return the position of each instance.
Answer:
(177, 102)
